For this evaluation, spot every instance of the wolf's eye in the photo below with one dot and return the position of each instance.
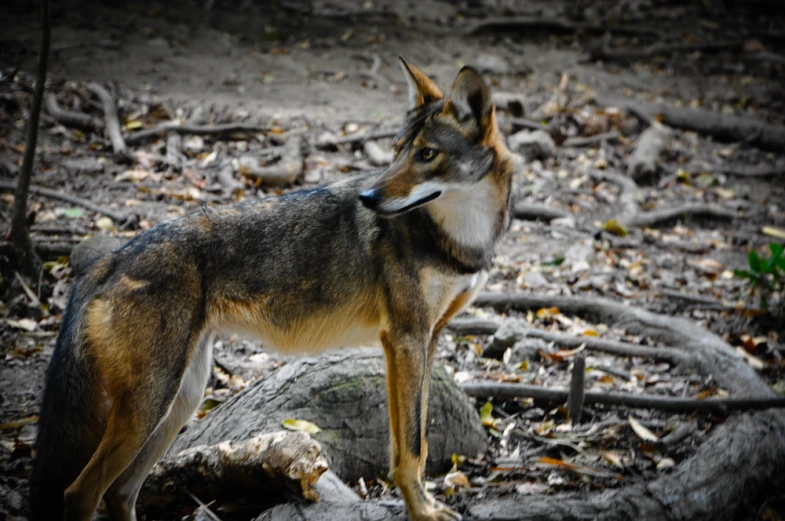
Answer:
(427, 154)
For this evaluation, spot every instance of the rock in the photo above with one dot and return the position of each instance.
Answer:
(510, 331)
(527, 349)
(91, 249)
(532, 144)
(535, 279)
(345, 394)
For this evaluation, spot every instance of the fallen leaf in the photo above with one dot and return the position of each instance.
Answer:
(300, 425)
(612, 457)
(532, 488)
(545, 313)
(590, 332)
(27, 324)
(486, 415)
(666, 463)
(614, 227)
(73, 213)
(755, 363)
(773, 232)
(106, 224)
(456, 479)
(641, 431)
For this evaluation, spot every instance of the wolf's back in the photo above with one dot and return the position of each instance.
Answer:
(65, 440)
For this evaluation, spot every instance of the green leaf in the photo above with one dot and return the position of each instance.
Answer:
(74, 212)
(300, 425)
(486, 416)
(780, 262)
(744, 274)
(767, 266)
(555, 262)
(754, 259)
(776, 249)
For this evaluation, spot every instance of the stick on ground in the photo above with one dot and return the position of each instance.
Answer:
(111, 118)
(54, 194)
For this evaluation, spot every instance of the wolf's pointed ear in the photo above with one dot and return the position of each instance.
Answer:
(470, 102)
(421, 89)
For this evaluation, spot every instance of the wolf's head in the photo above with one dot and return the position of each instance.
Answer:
(447, 145)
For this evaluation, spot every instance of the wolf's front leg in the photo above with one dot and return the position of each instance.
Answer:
(408, 379)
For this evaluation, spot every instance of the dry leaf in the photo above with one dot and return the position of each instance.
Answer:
(545, 313)
(771, 231)
(641, 431)
(614, 227)
(27, 324)
(300, 425)
(486, 415)
(19, 423)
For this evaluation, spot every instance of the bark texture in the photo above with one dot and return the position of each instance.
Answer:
(345, 394)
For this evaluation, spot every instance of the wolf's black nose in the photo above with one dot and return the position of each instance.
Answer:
(370, 198)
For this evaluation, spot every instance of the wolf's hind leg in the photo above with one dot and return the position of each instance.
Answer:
(121, 497)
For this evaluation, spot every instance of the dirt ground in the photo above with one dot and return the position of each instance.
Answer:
(309, 69)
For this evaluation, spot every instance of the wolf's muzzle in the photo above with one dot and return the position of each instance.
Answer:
(370, 198)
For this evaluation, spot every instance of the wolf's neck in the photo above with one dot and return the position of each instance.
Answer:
(471, 216)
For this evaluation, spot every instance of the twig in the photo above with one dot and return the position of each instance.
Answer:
(46, 192)
(658, 216)
(212, 515)
(576, 393)
(20, 235)
(588, 141)
(473, 326)
(32, 296)
(496, 25)
(720, 406)
(69, 117)
(751, 170)
(111, 118)
(373, 71)
(199, 130)
(535, 212)
(525, 123)
(361, 138)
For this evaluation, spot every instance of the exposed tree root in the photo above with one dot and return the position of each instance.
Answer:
(537, 212)
(69, 117)
(473, 326)
(199, 130)
(720, 126)
(553, 24)
(653, 217)
(720, 406)
(112, 119)
(284, 172)
(713, 357)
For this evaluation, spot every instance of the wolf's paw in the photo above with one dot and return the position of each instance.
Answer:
(436, 511)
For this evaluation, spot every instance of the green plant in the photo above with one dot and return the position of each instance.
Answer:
(766, 276)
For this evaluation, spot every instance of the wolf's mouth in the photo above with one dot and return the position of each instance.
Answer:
(411, 206)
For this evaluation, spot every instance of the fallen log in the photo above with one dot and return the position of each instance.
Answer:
(268, 466)
(344, 393)
(722, 127)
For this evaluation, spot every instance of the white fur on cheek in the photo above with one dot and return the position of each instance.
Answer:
(467, 213)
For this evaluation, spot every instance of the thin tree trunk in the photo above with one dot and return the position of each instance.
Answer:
(27, 259)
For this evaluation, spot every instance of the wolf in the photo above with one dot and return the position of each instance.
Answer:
(383, 258)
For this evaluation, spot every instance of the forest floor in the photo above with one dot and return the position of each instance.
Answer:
(331, 75)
